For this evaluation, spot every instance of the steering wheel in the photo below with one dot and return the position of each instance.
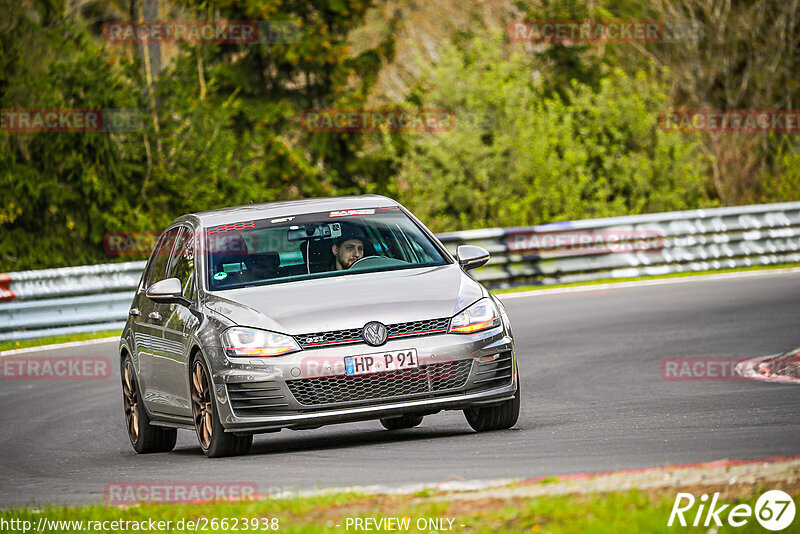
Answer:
(366, 260)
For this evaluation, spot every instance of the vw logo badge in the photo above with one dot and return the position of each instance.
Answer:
(375, 333)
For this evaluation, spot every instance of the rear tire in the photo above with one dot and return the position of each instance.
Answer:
(215, 442)
(404, 421)
(145, 437)
(498, 417)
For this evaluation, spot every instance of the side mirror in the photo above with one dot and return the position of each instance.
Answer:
(167, 292)
(471, 257)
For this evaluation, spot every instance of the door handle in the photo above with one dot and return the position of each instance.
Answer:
(134, 312)
(155, 316)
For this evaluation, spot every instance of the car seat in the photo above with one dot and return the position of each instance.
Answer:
(227, 248)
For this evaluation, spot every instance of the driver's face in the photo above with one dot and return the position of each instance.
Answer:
(348, 253)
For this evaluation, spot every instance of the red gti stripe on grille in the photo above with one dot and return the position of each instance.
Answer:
(331, 342)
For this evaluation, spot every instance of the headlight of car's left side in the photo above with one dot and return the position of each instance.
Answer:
(481, 315)
(242, 342)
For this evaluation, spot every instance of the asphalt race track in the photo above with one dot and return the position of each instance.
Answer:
(593, 400)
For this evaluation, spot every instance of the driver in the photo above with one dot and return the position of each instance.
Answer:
(348, 249)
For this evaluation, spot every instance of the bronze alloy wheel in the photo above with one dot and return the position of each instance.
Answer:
(131, 401)
(202, 409)
(213, 439)
(144, 437)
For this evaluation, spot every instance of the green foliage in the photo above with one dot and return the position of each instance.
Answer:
(218, 126)
(520, 157)
(784, 186)
(313, 67)
(542, 134)
(60, 189)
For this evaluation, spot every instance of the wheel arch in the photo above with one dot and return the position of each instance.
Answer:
(193, 352)
(125, 350)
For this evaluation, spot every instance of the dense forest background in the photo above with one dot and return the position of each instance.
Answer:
(556, 131)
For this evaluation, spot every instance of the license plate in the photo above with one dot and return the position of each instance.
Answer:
(381, 362)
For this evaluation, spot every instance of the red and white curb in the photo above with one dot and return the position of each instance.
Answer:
(720, 473)
(759, 369)
(715, 473)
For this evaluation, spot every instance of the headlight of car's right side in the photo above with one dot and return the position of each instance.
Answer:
(480, 316)
(242, 342)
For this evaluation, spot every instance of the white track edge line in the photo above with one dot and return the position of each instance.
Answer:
(655, 282)
(56, 346)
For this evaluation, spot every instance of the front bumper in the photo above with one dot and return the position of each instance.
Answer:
(456, 372)
(377, 411)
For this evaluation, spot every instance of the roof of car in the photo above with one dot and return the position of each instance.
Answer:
(288, 208)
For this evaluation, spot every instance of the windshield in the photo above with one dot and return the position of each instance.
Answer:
(335, 243)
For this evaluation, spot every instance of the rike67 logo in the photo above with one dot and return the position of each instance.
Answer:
(774, 511)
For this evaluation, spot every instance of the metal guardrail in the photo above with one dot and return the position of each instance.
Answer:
(644, 245)
(50, 302)
(96, 298)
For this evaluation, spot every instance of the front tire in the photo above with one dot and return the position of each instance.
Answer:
(498, 417)
(215, 442)
(404, 421)
(145, 437)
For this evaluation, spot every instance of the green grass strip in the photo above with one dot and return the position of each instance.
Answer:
(611, 513)
(41, 341)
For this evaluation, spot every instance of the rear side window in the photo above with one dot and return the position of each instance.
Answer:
(159, 259)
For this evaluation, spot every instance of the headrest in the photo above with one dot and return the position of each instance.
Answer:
(266, 260)
(227, 243)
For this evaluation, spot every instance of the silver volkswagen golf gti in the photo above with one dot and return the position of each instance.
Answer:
(308, 313)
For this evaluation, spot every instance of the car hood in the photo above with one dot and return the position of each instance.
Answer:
(350, 301)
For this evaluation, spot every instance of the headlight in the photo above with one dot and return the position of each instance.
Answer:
(248, 342)
(480, 316)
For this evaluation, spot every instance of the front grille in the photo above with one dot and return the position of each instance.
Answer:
(256, 398)
(353, 335)
(496, 372)
(435, 377)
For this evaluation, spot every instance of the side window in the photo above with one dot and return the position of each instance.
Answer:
(160, 257)
(400, 244)
(182, 264)
(190, 291)
(422, 254)
(377, 241)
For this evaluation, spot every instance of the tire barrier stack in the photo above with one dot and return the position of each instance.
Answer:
(97, 297)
